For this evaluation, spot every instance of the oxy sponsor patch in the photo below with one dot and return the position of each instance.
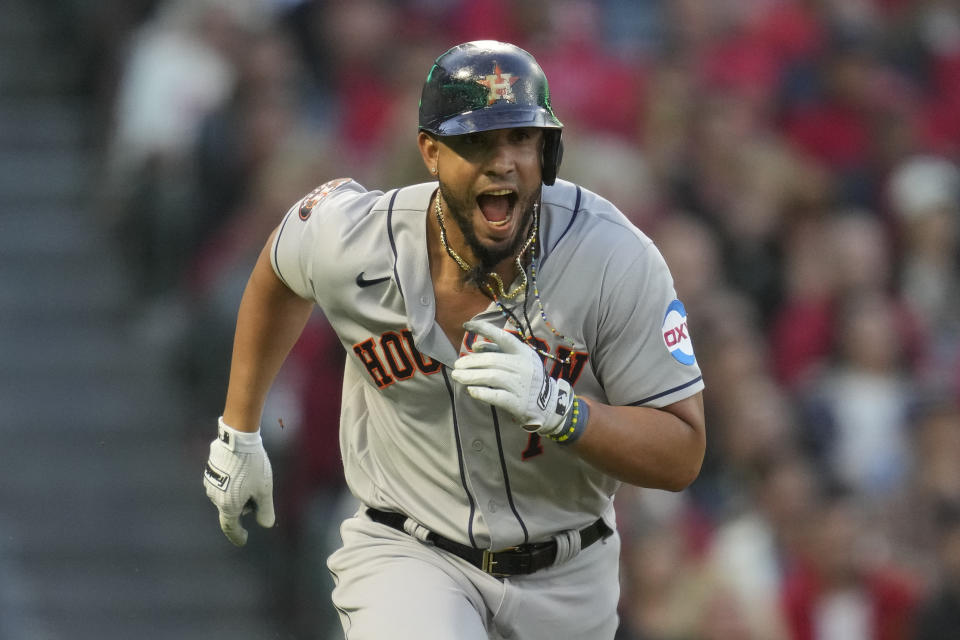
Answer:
(313, 198)
(676, 335)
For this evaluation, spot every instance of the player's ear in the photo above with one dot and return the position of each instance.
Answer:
(429, 149)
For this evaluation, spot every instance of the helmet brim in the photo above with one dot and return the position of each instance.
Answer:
(505, 117)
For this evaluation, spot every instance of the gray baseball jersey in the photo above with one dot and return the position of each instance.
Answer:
(412, 439)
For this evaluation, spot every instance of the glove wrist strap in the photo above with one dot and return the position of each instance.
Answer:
(574, 425)
(238, 441)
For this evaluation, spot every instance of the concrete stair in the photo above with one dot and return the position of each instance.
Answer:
(105, 531)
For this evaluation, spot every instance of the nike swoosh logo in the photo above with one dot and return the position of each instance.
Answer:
(363, 282)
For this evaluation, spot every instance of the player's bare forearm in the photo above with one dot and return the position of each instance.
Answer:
(269, 322)
(655, 448)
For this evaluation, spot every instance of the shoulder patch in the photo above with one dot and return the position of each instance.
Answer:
(314, 198)
(676, 335)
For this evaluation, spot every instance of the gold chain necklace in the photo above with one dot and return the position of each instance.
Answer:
(464, 265)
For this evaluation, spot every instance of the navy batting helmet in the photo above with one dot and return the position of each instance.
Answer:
(485, 85)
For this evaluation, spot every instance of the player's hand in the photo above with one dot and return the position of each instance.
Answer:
(509, 374)
(238, 478)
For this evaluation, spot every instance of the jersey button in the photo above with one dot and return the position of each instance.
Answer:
(477, 445)
(492, 506)
(424, 301)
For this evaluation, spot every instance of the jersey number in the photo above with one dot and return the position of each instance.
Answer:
(534, 447)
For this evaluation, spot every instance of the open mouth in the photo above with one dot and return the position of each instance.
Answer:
(497, 206)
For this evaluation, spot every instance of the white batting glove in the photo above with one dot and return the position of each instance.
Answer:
(509, 374)
(239, 479)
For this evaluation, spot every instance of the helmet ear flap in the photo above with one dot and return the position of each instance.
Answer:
(552, 155)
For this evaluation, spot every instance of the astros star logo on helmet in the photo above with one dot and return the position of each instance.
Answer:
(500, 85)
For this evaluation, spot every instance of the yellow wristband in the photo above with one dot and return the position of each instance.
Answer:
(575, 425)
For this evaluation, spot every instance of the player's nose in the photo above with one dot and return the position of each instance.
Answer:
(501, 158)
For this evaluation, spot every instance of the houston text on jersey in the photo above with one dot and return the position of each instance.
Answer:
(393, 357)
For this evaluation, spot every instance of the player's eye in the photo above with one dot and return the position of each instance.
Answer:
(524, 136)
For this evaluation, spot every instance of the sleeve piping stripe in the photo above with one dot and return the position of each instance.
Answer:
(393, 242)
(573, 218)
(276, 250)
(667, 392)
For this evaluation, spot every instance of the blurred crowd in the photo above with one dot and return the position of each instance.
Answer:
(795, 161)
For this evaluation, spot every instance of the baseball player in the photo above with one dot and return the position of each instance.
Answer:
(515, 351)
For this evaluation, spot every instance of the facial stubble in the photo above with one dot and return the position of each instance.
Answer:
(487, 258)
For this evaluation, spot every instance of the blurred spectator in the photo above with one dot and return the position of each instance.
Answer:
(924, 196)
(635, 30)
(829, 260)
(730, 345)
(394, 165)
(600, 93)
(859, 247)
(668, 121)
(724, 617)
(218, 273)
(234, 142)
(495, 20)
(749, 552)
(939, 615)
(359, 68)
(857, 407)
(623, 177)
(801, 330)
(934, 482)
(251, 158)
(751, 427)
(838, 588)
(747, 184)
(693, 255)
(180, 68)
(937, 437)
(835, 125)
(663, 582)
(937, 27)
(864, 260)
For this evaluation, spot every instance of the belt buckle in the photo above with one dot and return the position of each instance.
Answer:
(488, 562)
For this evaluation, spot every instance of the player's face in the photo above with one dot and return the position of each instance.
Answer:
(490, 181)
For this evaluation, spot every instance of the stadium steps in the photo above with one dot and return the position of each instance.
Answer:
(104, 529)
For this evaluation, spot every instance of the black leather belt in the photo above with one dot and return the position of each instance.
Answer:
(512, 561)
